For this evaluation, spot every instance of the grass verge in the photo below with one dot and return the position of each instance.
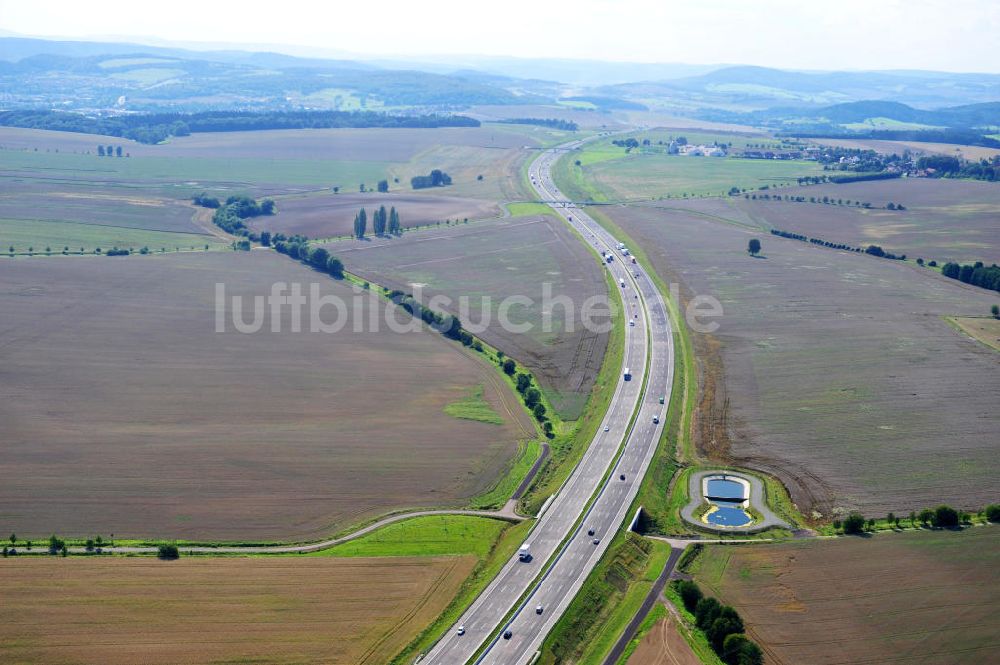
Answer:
(474, 407)
(426, 535)
(608, 600)
(488, 567)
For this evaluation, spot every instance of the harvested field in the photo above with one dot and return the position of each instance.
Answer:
(488, 262)
(832, 370)
(927, 597)
(946, 220)
(212, 610)
(121, 209)
(125, 412)
(328, 215)
(981, 328)
(664, 645)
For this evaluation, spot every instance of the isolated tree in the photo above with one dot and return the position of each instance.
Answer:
(945, 517)
(992, 512)
(394, 227)
(532, 397)
(100, 151)
(854, 523)
(360, 224)
(383, 186)
(379, 221)
(267, 207)
(318, 258)
(335, 267)
(118, 151)
(890, 518)
(994, 310)
(706, 611)
(690, 594)
(925, 516)
(89, 545)
(523, 382)
(539, 411)
(508, 367)
(167, 552)
(13, 538)
(336, 190)
(753, 247)
(109, 150)
(265, 238)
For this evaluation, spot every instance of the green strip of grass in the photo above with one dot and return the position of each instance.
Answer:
(528, 208)
(474, 407)
(427, 535)
(500, 552)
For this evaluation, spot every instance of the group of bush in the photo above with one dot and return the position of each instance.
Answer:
(721, 624)
(230, 216)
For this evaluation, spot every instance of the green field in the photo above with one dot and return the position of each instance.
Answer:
(607, 173)
(25, 233)
(429, 535)
(474, 407)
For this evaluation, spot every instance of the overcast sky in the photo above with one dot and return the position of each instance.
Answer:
(949, 35)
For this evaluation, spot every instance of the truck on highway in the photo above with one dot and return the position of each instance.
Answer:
(622, 282)
(628, 374)
(524, 553)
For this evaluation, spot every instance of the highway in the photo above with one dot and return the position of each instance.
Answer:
(560, 533)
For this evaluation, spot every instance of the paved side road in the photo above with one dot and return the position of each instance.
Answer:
(507, 513)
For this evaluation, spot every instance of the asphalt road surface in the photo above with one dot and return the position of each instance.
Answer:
(560, 534)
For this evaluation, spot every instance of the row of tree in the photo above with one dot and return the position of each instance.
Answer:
(383, 223)
(721, 624)
(156, 127)
(297, 247)
(977, 274)
(531, 395)
(942, 517)
(110, 151)
(827, 200)
(948, 166)
(552, 123)
(874, 250)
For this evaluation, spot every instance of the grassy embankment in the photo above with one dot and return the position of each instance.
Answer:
(500, 550)
(608, 600)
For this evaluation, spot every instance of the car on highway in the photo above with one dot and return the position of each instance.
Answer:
(597, 541)
(632, 324)
(621, 477)
(461, 630)
(656, 420)
(539, 609)
(661, 399)
(507, 634)
(607, 429)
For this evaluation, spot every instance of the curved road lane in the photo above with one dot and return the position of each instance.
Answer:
(560, 534)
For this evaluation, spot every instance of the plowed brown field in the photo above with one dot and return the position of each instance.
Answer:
(914, 597)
